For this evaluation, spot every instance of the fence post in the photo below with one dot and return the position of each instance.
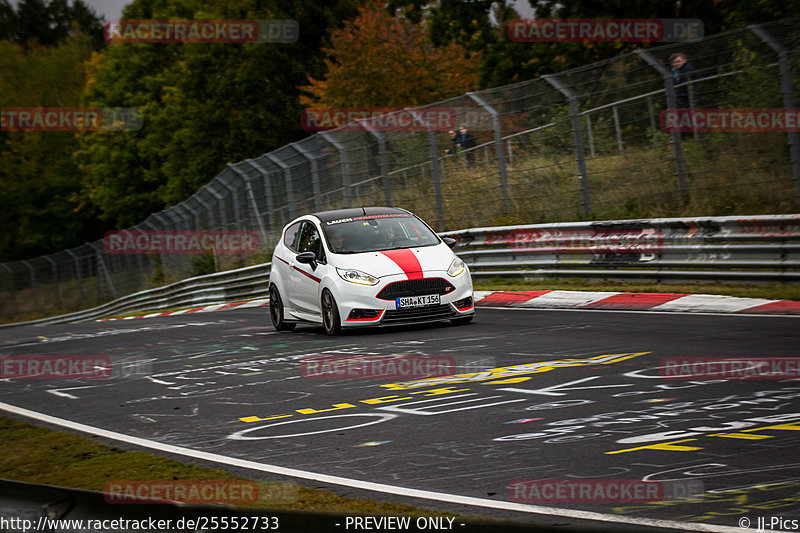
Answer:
(184, 217)
(577, 136)
(220, 206)
(672, 103)
(387, 184)
(617, 127)
(589, 134)
(788, 99)
(437, 180)
(312, 161)
(652, 115)
(161, 257)
(435, 175)
(174, 223)
(140, 259)
(33, 284)
(346, 190)
(101, 266)
(287, 178)
(160, 261)
(55, 278)
(265, 176)
(252, 198)
(237, 206)
(175, 220)
(78, 277)
(498, 147)
(208, 208)
(11, 284)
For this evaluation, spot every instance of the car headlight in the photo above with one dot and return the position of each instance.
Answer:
(356, 276)
(456, 267)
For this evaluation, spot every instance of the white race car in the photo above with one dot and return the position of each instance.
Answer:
(366, 266)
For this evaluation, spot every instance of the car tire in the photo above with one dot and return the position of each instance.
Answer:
(330, 314)
(276, 311)
(462, 320)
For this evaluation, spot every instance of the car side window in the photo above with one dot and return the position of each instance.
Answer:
(310, 241)
(290, 237)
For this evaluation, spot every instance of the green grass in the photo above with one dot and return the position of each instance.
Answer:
(39, 455)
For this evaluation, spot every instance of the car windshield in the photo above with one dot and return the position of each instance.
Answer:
(372, 233)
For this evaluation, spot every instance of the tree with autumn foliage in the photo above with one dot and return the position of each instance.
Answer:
(380, 60)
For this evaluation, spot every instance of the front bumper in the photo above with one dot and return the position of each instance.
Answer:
(360, 306)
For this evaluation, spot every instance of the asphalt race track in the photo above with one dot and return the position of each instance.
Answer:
(584, 401)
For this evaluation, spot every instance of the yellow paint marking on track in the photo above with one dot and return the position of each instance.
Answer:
(515, 371)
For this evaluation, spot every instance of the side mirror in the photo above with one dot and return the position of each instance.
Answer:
(309, 258)
(449, 241)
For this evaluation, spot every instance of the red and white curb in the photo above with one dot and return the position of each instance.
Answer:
(636, 301)
(553, 299)
(205, 309)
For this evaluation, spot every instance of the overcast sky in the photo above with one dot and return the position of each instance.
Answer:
(111, 9)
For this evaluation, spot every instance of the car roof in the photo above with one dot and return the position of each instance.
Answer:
(339, 214)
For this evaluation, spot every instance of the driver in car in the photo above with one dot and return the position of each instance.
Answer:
(336, 241)
(387, 237)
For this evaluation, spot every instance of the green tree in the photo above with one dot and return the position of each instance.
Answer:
(203, 104)
(379, 60)
(49, 22)
(39, 211)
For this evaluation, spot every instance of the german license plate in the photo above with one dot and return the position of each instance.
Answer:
(417, 301)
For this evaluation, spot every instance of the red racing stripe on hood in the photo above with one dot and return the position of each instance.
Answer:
(407, 261)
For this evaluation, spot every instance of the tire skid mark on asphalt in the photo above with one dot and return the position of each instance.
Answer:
(364, 485)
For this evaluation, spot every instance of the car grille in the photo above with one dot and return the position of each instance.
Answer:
(416, 287)
(419, 314)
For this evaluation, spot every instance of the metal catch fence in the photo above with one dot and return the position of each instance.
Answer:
(584, 144)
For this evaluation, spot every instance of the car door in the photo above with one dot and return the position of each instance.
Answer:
(306, 278)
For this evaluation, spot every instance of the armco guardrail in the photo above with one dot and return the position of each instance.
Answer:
(755, 248)
(231, 285)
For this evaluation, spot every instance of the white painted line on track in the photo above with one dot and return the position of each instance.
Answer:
(365, 485)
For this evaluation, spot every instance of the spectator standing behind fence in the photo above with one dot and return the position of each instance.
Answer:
(467, 141)
(456, 144)
(682, 72)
